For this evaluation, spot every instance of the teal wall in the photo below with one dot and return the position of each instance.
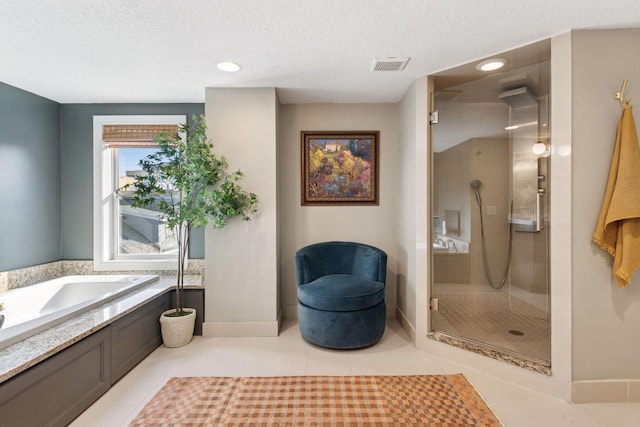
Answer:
(46, 176)
(30, 187)
(76, 138)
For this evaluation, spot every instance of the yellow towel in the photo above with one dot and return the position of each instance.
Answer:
(618, 228)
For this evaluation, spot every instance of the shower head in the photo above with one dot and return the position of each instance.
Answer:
(520, 97)
(476, 184)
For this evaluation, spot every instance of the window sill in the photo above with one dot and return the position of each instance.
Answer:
(134, 265)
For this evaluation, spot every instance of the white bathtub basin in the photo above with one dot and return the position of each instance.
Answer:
(33, 309)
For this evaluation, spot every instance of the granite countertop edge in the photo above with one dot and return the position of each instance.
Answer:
(27, 353)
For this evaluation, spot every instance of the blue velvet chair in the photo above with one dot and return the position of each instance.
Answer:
(341, 294)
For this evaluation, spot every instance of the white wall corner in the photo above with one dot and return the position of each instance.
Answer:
(406, 325)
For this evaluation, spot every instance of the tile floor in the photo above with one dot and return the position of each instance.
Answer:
(481, 313)
(288, 354)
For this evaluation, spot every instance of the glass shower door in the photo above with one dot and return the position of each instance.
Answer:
(490, 210)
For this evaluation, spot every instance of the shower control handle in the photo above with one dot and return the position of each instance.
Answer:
(539, 209)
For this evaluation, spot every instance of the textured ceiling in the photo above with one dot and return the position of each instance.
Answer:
(98, 51)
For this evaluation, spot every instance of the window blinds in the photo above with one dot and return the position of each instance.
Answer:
(127, 136)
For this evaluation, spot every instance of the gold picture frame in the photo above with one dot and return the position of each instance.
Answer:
(340, 167)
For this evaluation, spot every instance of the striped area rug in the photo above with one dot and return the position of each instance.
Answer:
(421, 400)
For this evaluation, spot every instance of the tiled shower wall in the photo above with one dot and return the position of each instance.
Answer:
(43, 272)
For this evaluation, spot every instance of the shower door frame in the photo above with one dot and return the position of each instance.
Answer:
(518, 359)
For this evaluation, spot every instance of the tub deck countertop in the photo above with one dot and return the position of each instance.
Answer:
(25, 354)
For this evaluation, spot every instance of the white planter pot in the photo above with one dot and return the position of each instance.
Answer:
(177, 331)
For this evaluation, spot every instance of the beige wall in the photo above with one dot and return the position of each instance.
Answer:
(412, 210)
(241, 276)
(303, 225)
(606, 320)
(560, 221)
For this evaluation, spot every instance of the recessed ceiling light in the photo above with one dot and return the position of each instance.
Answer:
(230, 67)
(491, 64)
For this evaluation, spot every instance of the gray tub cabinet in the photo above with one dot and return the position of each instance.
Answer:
(58, 389)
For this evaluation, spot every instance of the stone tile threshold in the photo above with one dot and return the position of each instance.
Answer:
(540, 366)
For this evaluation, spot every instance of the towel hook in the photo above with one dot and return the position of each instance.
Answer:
(620, 95)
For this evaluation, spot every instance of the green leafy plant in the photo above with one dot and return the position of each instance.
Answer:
(190, 187)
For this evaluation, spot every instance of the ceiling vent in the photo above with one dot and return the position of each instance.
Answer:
(389, 64)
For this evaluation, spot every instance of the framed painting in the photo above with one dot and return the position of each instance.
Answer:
(340, 168)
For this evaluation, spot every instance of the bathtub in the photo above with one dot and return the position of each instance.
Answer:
(32, 309)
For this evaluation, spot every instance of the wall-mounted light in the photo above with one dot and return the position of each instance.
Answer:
(230, 67)
(539, 148)
(491, 64)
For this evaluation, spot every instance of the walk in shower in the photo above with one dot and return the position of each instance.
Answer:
(490, 206)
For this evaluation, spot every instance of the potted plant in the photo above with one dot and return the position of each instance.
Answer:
(189, 186)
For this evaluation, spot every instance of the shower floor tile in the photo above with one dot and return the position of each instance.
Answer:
(493, 317)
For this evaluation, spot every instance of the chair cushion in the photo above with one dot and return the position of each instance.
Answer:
(341, 292)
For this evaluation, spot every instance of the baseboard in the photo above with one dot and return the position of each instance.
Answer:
(241, 329)
(606, 391)
(406, 325)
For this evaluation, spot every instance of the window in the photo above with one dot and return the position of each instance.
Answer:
(127, 238)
